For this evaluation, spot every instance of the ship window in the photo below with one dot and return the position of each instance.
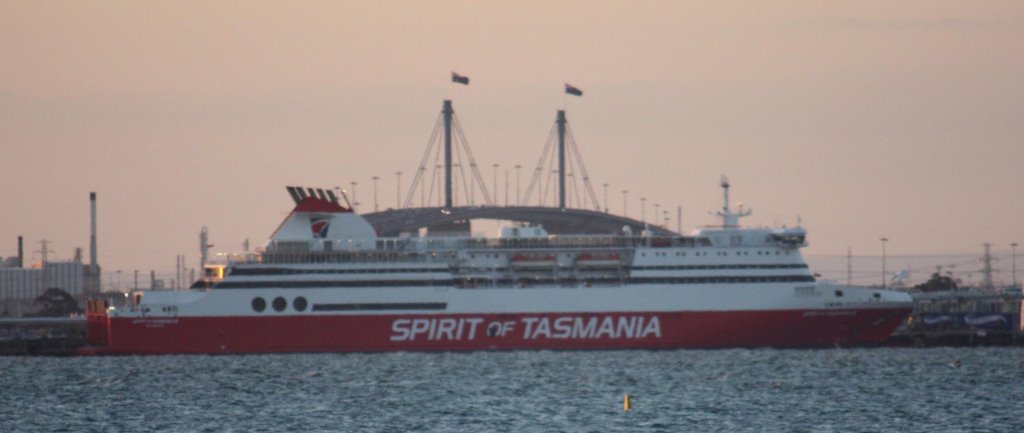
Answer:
(280, 304)
(258, 304)
(839, 293)
(299, 304)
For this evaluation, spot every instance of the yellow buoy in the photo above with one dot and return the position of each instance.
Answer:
(626, 403)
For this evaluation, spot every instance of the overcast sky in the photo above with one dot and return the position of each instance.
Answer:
(865, 119)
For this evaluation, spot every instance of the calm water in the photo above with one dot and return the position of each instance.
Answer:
(675, 391)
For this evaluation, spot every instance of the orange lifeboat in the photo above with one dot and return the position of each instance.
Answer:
(533, 261)
(599, 260)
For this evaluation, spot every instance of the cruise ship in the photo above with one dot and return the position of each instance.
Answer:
(325, 282)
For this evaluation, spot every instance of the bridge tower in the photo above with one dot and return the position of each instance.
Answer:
(447, 112)
(565, 162)
(451, 146)
(560, 121)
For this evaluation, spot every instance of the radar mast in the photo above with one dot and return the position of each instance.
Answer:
(730, 219)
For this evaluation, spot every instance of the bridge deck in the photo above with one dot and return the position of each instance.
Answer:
(392, 222)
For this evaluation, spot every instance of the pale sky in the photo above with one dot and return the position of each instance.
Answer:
(865, 119)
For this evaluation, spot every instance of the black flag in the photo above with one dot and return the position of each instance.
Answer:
(572, 90)
(456, 78)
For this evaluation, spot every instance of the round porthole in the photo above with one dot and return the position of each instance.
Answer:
(280, 304)
(258, 305)
(299, 304)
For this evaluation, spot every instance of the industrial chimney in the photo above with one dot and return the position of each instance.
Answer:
(21, 253)
(92, 272)
(92, 231)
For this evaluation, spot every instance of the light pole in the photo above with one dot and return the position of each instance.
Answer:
(375, 192)
(884, 240)
(456, 169)
(518, 202)
(355, 203)
(643, 210)
(571, 180)
(606, 198)
(656, 213)
(495, 183)
(440, 198)
(398, 189)
(625, 194)
(1014, 261)
(423, 187)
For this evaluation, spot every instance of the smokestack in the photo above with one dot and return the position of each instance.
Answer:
(92, 232)
(21, 253)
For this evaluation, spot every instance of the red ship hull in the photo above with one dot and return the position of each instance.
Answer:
(568, 331)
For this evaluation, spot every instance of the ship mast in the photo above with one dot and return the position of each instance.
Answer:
(730, 219)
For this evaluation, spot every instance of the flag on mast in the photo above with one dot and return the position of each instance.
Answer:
(570, 89)
(461, 79)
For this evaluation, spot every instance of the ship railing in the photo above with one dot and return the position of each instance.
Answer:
(442, 250)
(353, 257)
(555, 242)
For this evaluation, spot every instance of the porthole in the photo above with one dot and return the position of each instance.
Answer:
(258, 304)
(280, 304)
(299, 304)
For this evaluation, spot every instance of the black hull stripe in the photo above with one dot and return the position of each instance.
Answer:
(289, 271)
(382, 306)
(700, 267)
(483, 282)
(250, 271)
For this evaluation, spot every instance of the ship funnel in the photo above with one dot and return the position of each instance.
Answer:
(299, 194)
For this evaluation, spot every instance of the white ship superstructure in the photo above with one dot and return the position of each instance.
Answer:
(326, 282)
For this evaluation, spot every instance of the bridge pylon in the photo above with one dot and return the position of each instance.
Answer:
(448, 146)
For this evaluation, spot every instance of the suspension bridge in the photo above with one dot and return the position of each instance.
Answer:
(559, 196)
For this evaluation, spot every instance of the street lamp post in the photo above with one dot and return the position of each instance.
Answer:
(440, 195)
(1014, 261)
(518, 202)
(355, 203)
(625, 194)
(656, 206)
(884, 240)
(643, 210)
(456, 169)
(398, 190)
(423, 187)
(606, 198)
(375, 208)
(495, 184)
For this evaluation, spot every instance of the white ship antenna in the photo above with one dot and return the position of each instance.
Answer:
(730, 219)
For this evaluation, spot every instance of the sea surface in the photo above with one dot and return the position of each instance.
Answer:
(761, 390)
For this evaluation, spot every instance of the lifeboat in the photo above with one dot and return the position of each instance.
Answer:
(533, 261)
(599, 260)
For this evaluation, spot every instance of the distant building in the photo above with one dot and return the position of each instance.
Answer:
(21, 284)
